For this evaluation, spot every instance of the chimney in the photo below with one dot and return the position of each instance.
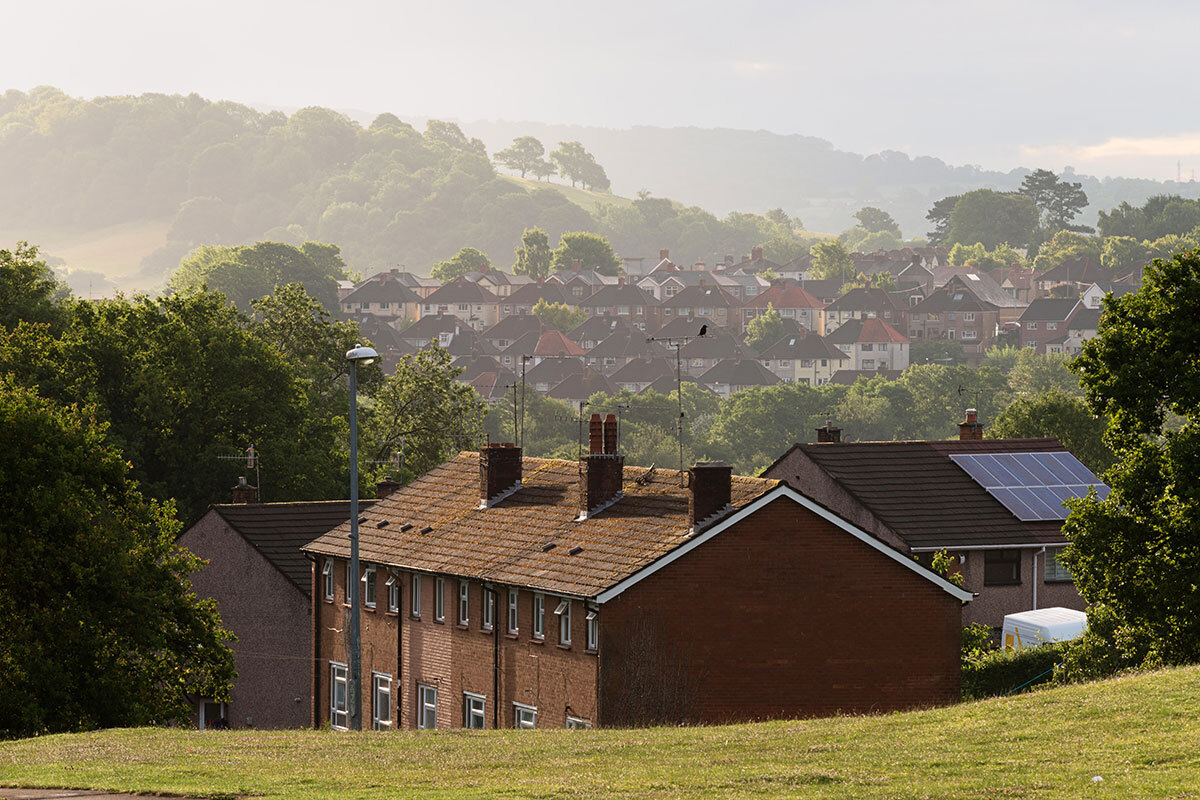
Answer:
(710, 492)
(664, 253)
(244, 493)
(756, 253)
(729, 258)
(829, 434)
(602, 470)
(386, 488)
(576, 264)
(499, 472)
(970, 429)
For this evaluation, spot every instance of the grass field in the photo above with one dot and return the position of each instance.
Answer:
(1141, 734)
(587, 200)
(116, 252)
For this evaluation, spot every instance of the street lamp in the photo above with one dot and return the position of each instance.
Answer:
(359, 355)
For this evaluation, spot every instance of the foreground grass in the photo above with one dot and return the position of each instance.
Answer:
(1139, 733)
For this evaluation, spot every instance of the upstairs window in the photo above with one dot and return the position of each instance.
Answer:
(489, 610)
(369, 586)
(563, 612)
(1031, 326)
(513, 620)
(539, 616)
(393, 589)
(415, 602)
(593, 629)
(350, 581)
(464, 599)
(439, 600)
(327, 573)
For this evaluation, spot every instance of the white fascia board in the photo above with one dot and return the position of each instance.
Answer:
(810, 505)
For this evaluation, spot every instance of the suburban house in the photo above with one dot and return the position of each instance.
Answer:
(1075, 273)
(262, 584)
(859, 304)
(637, 306)
(804, 358)
(1092, 296)
(508, 592)
(595, 330)
(871, 344)
(732, 375)
(922, 497)
(1083, 325)
(524, 298)
(702, 353)
(475, 305)
(968, 308)
(617, 350)
(1046, 320)
(383, 295)
(791, 302)
(704, 302)
(639, 373)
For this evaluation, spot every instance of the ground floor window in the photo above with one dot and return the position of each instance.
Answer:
(1056, 570)
(474, 709)
(427, 707)
(339, 708)
(524, 716)
(578, 722)
(381, 705)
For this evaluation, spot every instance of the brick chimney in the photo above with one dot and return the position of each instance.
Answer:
(386, 488)
(710, 491)
(970, 429)
(601, 470)
(576, 264)
(729, 258)
(829, 434)
(244, 493)
(664, 253)
(756, 253)
(499, 472)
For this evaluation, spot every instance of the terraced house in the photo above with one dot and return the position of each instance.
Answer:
(503, 591)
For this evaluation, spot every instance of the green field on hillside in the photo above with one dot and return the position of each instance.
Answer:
(586, 199)
(1139, 734)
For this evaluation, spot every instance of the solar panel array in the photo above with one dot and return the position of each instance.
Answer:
(1032, 486)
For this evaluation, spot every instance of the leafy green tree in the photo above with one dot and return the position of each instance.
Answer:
(245, 273)
(939, 215)
(992, 218)
(882, 240)
(1161, 215)
(28, 288)
(1169, 245)
(450, 135)
(765, 330)
(936, 351)
(559, 316)
(874, 220)
(832, 261)
(1036, 373)
(467, 259)
(1063, 416)
(1118, 253)
(753, 427)
(976, 255)
(1058, 201)
(591, 249)
(543, 169)
(534, 256)
(1064, 246)
(781, 217)
(524, 155)
(578, 165)
(101, 628)
(1137, 552)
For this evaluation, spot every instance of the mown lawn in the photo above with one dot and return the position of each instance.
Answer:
(1139, 733)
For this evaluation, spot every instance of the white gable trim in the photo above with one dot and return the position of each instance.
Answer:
(810, 505)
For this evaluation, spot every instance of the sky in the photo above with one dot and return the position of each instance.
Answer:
(1101, 86)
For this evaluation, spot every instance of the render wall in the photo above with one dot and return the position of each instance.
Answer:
(270, 617)
(781, 615)
(994, 602)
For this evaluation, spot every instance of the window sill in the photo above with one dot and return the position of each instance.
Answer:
(369, 608)
(1059, 580)
(463, 626)
(441, 621)
(562, 646)
(513, 636)
(537, 641)
(591, 651)
(1002, 583)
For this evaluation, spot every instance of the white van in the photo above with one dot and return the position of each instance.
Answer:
(1031, 628)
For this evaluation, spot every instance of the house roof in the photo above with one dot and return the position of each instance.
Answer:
(626, 344)
(666, 384)
(582, 385)
(784, 297)
(701, 296)
(739, 372)
(823, 288)
(717, 344)
(644, 370)
(951, 298)
(862, 299)
(871, 329)
(1085, 319)
(555, 343)
(493, 384)
(461, 290)
(985, 288)
(1052, 309)
(430, 325)
(530, 293)
(278, 531)
(386, 287)
(553, 370)
(1075, 270)
(622, 294)
(945, 507)
(507, 542)
(597, 328)
(513, 326)
(794, 346)
(681, 327)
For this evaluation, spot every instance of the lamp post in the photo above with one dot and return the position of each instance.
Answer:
(359, 355)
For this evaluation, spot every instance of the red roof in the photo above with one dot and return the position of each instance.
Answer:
(871, 329)
(785, 297)
(555, 343)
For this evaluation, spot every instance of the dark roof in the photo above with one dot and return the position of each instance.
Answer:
(718, 343)
(461, 290)
(385, 287)
(1085, 319)
(1051, 309)
(739, 372)
(644, 370)
(871, 329)
(823, 288)
(861, 299)
(506, 542)
(582, 385)
(785, 297)
(626, 344)
(681, 327)
(553, 370)
(597, 328)
(430, 325)
(1076, 270)
(923, 496)
(622, 294)
(794, 346)
(514, 326)
(530, 293)
(951, 298)
(701, 296)
(278, 531)
(666, 384)
(985, 288)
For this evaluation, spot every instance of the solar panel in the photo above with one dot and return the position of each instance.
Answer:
(1032, 486)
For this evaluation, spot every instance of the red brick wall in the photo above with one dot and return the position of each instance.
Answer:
(456, 658)
(781, 615)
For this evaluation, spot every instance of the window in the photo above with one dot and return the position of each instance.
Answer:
(788, 312)
(350, 581)
(489, 609)
(439, 600)
(1001, 567)
(951, 316)
(1031, 326)
(968, 316)
(563, 612)
(577, 291)
(327, 572)
(1055, 569)
(593, 629)
(524, 716)
(882, 346)
(414, 605)
(339, 715)
(1051, 326)
(970, 334)
(785, 363)
(950, 333)
(393, 587)
(474, 710)
(464, 597)
(868, 363)
(578, 723)
(368, 580)
(539, 616)
(623, 310)
(513, 627)
(464, 307)
(426, 707)
(704, 312)
(381, 701)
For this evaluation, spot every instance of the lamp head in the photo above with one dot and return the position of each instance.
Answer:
(362, 355)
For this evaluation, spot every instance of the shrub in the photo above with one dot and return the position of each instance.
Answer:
(1107, 648)
(1001, 672)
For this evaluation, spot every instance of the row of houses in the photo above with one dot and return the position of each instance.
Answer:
(500, 590)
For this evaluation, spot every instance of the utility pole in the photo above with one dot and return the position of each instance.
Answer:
(359, 355)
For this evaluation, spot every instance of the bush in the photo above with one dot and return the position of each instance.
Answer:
(1107, 648)
(1000, 672)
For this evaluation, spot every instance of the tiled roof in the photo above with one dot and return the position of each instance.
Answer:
(597, 328)
(507, 543)
(493, 385)
(623, 294)
(860, 299)
(555, 343)
(681, 327)
(928, 500)
(701, 296)
(985, 288)
(822, 288)
(1051, 309)
(626, 344)
(1075, 270)
(382, 288)
(461, 290)
(1085, 319)
(553, 370)
(872, 329)
(513, 327)
(666, 384)
(582, 385)
(784, 297)
(278, 531)
(739, 372)
(717, 344)
(430, 325)
(530, 293)
(950, 298)
(794, 346)
(644, 370)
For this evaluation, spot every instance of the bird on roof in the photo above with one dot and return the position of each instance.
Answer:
(703, 330)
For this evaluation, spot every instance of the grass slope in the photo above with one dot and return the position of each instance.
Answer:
(586, 199)
(1139, 733)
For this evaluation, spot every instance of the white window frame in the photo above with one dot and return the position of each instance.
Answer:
(1052, 570)
(968, 316)
(563, 612)
(578, 723)
(381, 700)
(474, 709)
(514, 608)
(539, 615)
(369, 586)
(487, 617)
(414, 605)
(439, 599)
(350, 582)
(393, 587)
(524, 716)
(327, 573)
(339, 716)
(464, 603)
(426, 707)
(593, 629)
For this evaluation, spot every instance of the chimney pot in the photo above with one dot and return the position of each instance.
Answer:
(386, 488)
(829, 434)
(970, 429)
(244, 493)
(756, 253)
(610, 434)
(596, 434)
(710, 493)
(664, 253)
(499, 471)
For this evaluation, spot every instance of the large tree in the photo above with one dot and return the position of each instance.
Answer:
(591, 250)
(874, 220)
(832, 261)
(578, 165)
(1058, 201)
(993, 218)
(467, 259)
(939, 215)
(1063, 416)
(100, 626)
(1137, 552)
(524, 155)
(28, 289)
(245, 273)
(534, 256)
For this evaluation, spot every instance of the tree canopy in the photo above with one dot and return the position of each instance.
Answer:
(992, 219)
(874, 220)
(248, 272)
(832, 261)
(467, 259)
(591, 250)
(559, 316)
(765, 329)
(534, 256)
(524, 155)
(1058, 201)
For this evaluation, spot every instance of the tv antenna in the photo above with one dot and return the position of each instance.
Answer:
(679, 342)
(251, 457)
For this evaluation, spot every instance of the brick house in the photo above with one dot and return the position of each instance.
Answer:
(705, 302)
(636, 306)
(732, 375)
(916, 497)
(804, 358)
(859, 304)
(791, 302)
(1046, 320)
(383, 295)
(475, 305)
(524, 298)
(502, 591)
(262, 584)
(871, 344)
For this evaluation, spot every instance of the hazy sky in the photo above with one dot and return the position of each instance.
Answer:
(1105, 87)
